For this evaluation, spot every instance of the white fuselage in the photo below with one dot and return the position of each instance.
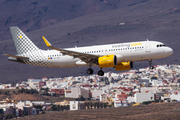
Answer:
(133, 51)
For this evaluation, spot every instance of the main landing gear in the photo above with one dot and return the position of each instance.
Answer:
(100, 72)
(150, 65)
(90, 71)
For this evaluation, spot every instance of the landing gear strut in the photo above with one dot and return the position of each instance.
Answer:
(89, 71)
(100, 72)
(150, 64)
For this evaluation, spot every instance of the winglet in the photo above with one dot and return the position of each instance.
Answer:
(46, 41)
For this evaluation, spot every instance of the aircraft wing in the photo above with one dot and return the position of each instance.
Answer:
(15, 56)
(83, 56)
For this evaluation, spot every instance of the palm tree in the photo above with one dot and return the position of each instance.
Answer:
(88, 104)
(95, 105)
(98, 104)
(91, 104)
(112, 104)
(105, 105)
(85, 105)
(102, 105)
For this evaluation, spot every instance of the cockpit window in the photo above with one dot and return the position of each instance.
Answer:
(161, 45)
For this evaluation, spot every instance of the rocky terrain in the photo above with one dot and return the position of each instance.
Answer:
(83, 23)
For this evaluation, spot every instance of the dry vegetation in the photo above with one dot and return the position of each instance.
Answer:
(166, 111)
(14, 95)
(51, 99)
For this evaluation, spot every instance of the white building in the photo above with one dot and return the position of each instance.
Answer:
(38, 102)
(96, 93)
(130, 99)
(175, 96)
(76, 92)
(34, 83)
(34, 111)
(103, 97)
(76, 105)
(149, 89)
(141, 97)
(21, 104)
(7, 105)
(119, 103)
(6, 86)
(156, 83)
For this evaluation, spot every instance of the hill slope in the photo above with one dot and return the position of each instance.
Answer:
(144, 19)
(167, 111)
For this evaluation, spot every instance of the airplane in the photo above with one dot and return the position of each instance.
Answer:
(119, 56)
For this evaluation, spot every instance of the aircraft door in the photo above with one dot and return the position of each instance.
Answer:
(147, 46)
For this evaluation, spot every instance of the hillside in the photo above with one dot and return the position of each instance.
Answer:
(36, 14)
(166, 111)
(13, 94)
(92, 22)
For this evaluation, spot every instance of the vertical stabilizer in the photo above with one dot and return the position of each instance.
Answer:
(22, 42)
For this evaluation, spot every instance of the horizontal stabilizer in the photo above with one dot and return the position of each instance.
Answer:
(15, 56)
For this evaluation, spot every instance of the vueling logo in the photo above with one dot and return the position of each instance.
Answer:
(136, 44)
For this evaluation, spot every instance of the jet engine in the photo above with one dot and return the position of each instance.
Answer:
(107, 61)
(124, 66)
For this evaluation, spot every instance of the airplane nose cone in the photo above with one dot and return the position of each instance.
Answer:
(170, 51)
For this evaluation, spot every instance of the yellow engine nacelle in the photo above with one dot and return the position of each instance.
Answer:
(107, 61)
(124, 66)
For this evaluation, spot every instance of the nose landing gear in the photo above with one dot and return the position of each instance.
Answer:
(150, 65)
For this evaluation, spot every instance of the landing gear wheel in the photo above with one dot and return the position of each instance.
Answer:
(89, 71)
(100, 73)
(150, 65)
